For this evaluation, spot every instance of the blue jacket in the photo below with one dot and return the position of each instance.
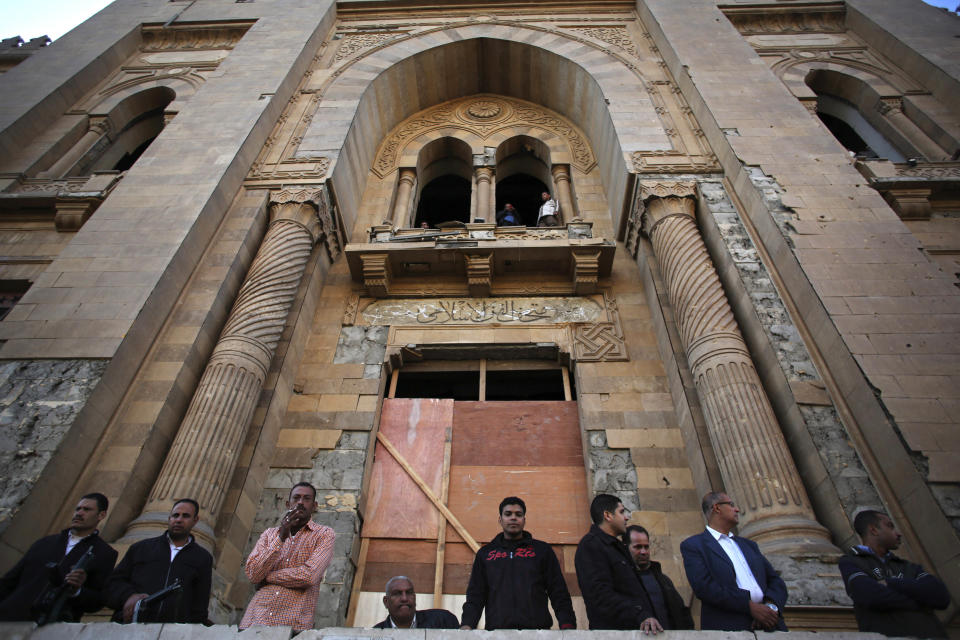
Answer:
(710, 573)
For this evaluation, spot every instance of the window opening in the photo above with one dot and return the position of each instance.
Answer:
(445, 199)
(455, 385)
(525, 385)
(523, 192)
(846, 136)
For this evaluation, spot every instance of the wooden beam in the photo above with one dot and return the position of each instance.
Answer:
(442, 508)
(394, 378)
(442, 526)
(567, 394)
(483, 380)
(358, 581)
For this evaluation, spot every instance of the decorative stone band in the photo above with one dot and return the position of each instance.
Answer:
(205, 451)
(754, 460)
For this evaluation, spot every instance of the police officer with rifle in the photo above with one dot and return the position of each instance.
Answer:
(62, 576)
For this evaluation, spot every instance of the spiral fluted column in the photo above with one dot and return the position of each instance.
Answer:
(755, 463)
(204, 453)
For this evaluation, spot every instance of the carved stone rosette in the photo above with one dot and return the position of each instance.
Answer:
(204, 453)
(754, 460)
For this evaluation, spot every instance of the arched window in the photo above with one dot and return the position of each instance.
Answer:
(523, 173)
(445, 176)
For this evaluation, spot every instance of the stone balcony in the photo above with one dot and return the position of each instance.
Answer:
(481, 259)
(911, 187)
(70, 201)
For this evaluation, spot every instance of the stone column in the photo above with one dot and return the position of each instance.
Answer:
(98, 129)
(757, 468)
(484, 177)
(561, 178)
(204, 453)
(892, 110)
(401, 205)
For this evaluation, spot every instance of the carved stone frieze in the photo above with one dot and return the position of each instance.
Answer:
(827, 19)
(485, 310)
(938, 170)
(890, 106)
(617, 36)
(350, 308)
(483, 115)
(192, 38)
(353, 43)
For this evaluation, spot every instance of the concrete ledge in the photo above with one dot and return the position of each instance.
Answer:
(110, 631)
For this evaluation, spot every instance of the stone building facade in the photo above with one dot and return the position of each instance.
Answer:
(216, 281)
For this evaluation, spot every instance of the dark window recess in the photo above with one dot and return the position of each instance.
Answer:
(129, 158)
(455, 385)
(845, 134)
(526, 385)
(10, 293)
(445, 199)
(523, 192)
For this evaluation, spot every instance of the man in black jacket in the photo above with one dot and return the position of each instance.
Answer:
(890, 595)
(401, 602)
(667, 604)
(155, 563)
(512, 578)
(611, 590)
(23, 588)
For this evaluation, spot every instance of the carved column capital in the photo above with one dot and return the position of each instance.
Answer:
(484, 174)
(407, 175)
(301, 207)
(664, 199)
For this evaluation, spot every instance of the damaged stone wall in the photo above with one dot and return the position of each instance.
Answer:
(612, 471)
(39, 400)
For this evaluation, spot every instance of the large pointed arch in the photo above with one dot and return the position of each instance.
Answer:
(601, 92)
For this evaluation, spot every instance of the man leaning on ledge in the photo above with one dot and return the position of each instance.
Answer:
(152, 565)
(288, 564)
(739, 588)
(400, 599)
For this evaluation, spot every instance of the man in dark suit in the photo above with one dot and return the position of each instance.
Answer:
(739, 588)
(401, 603)
(23, 588)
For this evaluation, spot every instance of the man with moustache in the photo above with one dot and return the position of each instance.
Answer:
(611, 590)
(890, 595)
(401, 602)
(513, 576)
(288, 564)
(665, 601)
(739, 588)
(155, 563)
(22, 587)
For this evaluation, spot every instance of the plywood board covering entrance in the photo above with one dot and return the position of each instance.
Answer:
(396, 508)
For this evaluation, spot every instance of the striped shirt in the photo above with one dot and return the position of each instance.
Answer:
(292, 571)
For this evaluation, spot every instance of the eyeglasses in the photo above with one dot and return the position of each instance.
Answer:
(727, 502)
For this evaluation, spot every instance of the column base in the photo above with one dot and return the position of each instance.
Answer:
(790, 535)
(153, 523)
(812, 579)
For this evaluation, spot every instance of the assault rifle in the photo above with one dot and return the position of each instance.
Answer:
(153, 597)
(53, 599)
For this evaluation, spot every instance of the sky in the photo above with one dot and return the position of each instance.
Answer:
(53, 18)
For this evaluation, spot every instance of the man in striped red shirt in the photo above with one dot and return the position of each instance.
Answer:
(287, 565)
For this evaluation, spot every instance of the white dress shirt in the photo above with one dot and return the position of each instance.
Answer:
(745, 578)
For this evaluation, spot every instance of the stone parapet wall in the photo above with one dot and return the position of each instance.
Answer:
(108, 631)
